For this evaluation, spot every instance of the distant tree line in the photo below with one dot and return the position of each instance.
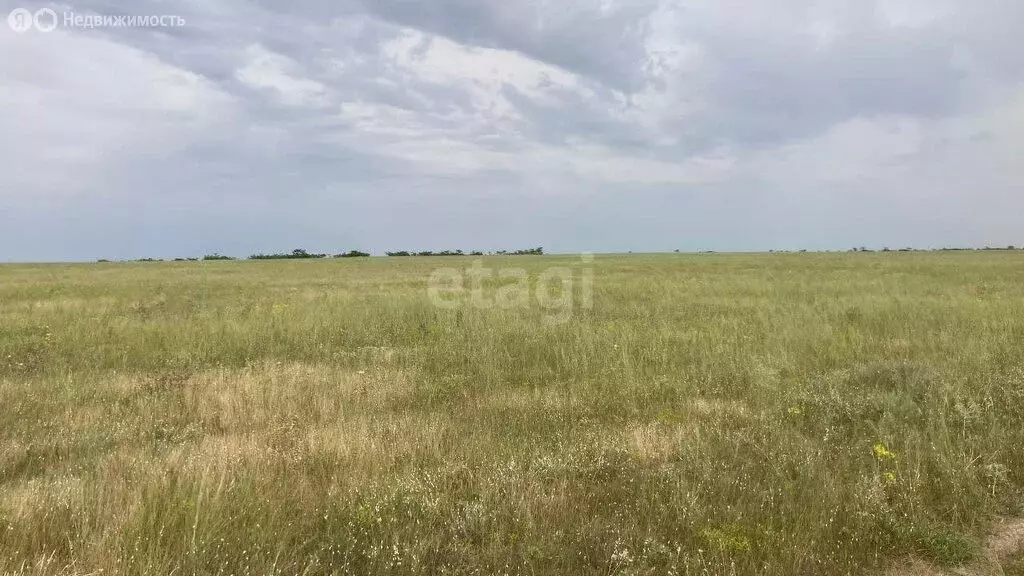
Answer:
(427, 253)
(887, 249)
(402, 253)
(530, 251)
(353, 254)
(297, 254)
(302, 254)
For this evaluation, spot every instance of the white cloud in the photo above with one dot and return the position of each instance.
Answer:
(75, 104)
(272, 72)
(483, 73)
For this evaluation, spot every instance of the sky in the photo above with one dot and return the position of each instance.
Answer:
(576, 125)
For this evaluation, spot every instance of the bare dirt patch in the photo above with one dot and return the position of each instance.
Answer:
(1006, 540)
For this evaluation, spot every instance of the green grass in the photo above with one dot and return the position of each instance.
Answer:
(771, 414)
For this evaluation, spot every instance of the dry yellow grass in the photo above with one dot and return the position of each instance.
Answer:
(714, 414)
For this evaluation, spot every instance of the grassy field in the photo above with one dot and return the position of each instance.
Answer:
(702, 414)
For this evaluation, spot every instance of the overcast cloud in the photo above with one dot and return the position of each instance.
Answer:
(598, 125)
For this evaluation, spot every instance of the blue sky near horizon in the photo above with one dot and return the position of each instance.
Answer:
(577, 125)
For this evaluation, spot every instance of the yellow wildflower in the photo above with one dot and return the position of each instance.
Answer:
(883, 453)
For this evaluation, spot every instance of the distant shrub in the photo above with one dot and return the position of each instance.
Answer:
(297, 254)
(353, 254)
(529, 252)
(442, 253)
(101, 260)
(476, 253)
(216, 256)
(149, 260)
(401, 253)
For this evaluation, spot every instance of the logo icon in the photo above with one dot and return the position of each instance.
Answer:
(21, 20)
(45, 20)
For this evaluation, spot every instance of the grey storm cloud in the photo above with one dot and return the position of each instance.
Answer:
(600, 40)
(579, 125)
